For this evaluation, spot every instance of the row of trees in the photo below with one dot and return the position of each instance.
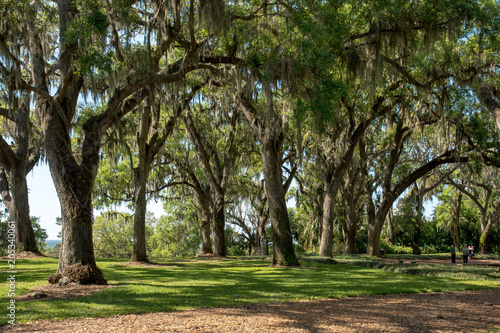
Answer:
(357, 101)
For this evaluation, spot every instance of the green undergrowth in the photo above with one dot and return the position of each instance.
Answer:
(191, 283)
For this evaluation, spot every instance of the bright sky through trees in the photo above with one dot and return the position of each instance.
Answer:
(45, 204)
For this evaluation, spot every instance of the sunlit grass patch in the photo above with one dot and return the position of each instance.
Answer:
(190, 283)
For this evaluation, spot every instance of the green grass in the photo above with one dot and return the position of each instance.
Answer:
(197, 283)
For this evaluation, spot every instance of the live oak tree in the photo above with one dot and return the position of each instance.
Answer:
(216, 157)
(338, 153)
(95, 51)
(90, 65)
(186, 168)
(269, 127)
(20, 143)
(484, 194)
(352, 195)
(153, 127)
(16, 161)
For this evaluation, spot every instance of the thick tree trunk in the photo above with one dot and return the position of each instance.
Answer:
(77, 233)
(77, 246)
(17, 205)
(139, 252)
(374, 230)
(456, 222)
(418, 226)
(264, 246)
(390, 227)
(416, 239)
(206, 243)
(485, 230)
(17, 164)
(284, 252)
(483, 241)
(219, 226)
(351, 226)
(373, 244)
(271, 136)
(326, 242)
(73, 183)
(25, 235)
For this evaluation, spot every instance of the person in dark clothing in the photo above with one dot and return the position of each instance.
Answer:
(453, 254)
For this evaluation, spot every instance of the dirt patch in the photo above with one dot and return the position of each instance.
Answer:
(55, 291)
(410, 313)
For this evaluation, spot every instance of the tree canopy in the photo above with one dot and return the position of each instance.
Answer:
(349, 107)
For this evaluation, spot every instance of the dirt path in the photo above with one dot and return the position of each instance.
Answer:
(435, 312)
(478, 262)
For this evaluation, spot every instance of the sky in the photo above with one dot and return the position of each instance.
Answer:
(44, 202)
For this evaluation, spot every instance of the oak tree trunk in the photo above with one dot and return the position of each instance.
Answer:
(264, 247)
(139, 252)
(219, 226)
(326, 242)
(25, 235)
(456, 221)
(17, 205)
(351, 225)
(73, 183)
(206, 243)
(390, 227)
(284, 253)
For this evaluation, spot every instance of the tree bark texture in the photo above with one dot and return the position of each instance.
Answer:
(284, 252)
(270, 132)
(219, 226)
(16, 164)
(390, 227)
(336, 173)
(456, 222)
(206, 243)
(17, 205)
(326, 243)
(73, 184)
(139, 252)
(262, 235)
(418, 226)
(351, 195)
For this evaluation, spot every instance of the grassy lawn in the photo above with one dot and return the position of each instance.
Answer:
(195, 283)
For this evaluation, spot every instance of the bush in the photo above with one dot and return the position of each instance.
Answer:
(395, 249)
(299, 249)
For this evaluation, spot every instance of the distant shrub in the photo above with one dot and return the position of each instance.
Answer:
(299, 249)
(394, 249)
(432, 249)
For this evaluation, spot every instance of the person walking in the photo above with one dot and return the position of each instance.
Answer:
(453, 254)
(465, 253)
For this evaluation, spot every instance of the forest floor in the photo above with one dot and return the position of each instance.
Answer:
(465, 311)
